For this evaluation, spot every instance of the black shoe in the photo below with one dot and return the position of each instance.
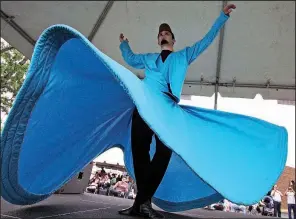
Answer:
(131, 211)
(144, 210)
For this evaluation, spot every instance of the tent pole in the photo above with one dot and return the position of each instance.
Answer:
(219, 57)
(100, 20)
(216, 96)
(17, 28)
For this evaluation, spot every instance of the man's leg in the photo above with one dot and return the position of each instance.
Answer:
(141, 137)
(275, 207)
(157, 170)
(294, 210)
(289, 211)
(158, 166)
(279, 210)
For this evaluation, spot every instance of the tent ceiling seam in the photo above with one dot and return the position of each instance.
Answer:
(17, 28)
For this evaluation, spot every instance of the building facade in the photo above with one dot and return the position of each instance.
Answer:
(283, 183)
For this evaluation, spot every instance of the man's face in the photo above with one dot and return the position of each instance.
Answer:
(165, 38)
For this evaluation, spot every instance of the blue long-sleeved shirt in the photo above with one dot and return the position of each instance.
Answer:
(173, 71)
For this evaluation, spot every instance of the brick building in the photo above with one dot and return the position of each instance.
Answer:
(283, 182)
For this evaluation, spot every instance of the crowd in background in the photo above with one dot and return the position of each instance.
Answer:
(122, 185)
(112, 184)
(270, 205)
(290, 194)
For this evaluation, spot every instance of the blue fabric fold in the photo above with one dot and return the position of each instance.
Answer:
(76, 103)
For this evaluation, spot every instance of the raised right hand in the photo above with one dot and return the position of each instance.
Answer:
(122, 38)
(229, 8)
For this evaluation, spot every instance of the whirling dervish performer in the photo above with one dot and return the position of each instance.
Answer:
(76, 103)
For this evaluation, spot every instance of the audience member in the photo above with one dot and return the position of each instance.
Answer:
(277, 200)
(119, 189)
(290, 193)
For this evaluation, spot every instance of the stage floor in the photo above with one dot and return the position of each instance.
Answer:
(95, 206)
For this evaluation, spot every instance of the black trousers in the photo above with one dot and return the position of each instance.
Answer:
(148, 173)
(292, 207)
(277, 209)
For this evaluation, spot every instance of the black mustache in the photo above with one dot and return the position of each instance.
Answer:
(164, 42)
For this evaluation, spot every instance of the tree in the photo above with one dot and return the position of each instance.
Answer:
(13, 70)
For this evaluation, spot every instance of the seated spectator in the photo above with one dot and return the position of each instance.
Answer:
(104, 181)
(220, 206)
(96, 176)
(227, 205)
(119, 189)
(254, 209)
(94, 184)
(259, 207)
(131, 194)
(119, 178)
(237, 208)
(113, 180)
(132, 189)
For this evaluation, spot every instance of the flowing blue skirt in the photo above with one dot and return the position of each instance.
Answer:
(76, 103)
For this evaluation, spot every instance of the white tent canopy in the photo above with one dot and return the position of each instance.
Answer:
(254, 53)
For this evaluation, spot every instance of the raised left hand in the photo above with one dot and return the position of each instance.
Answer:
(228, 8)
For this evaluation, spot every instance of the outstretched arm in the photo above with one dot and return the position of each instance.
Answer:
(281, 194)
(134, 60)
(194, 51)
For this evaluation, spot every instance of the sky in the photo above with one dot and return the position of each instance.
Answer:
(268, 110)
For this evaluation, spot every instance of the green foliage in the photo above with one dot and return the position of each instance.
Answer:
(13, 69)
